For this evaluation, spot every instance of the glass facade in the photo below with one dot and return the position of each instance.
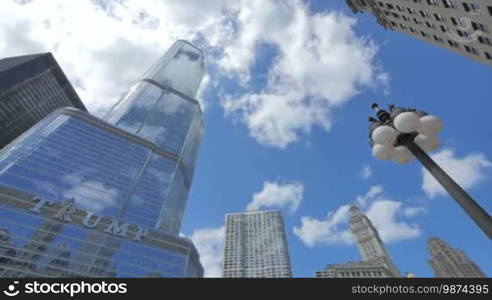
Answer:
(37, 244)
(31, 87)
(160, 108)
(83, 197)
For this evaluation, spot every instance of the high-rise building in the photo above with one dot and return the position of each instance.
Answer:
(462, 26)
(126, 178)
(31, 87)
(376, 261)
(449, 262)
(370, 245)
(256, 246)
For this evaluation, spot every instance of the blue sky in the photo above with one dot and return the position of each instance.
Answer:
(286, 107)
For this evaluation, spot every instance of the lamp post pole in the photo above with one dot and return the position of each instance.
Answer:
(470, 206)
(402, 132)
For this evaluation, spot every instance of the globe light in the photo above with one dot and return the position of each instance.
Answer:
(427, 142)
(430, 125)
(385, 135)
(402, 155)
(383, 152)
(407, 122)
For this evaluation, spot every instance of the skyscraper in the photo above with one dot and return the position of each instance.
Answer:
(449, 262)
(31, 87)
(376, 261)
(127, 177)
(370, 245)
(462, 26)
(256, 246)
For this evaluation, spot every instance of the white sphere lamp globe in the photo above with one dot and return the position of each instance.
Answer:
(402, 155)
(407, 122)
(385, 135)
(430, 125)
(427, 142)
(383, 152)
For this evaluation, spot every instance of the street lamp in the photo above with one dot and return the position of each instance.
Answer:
(404, 133)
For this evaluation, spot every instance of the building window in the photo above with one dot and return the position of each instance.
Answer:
(439, 17)
(471, 50)
(430, 25)
(437, 39)
(479, 26)
(462, 33)
(432, 2)
(490, 10)
(453, 44)
(471, 7)
(488, 55)
(449, 3)
(485, 40)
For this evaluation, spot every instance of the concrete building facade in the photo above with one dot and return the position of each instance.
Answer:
(462, 26)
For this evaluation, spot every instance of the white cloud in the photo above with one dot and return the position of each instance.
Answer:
(103, 46)
(320, 69)
(210, 244)
(328, 231)
(385, 216)
(411, 212)
(389, 217)
(92, 195)
(278, 195)
(467, 171)
(374, 191)
(366, 172)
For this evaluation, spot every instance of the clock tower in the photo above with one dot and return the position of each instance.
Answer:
(370, 245)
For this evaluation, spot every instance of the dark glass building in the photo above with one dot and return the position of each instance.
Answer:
(31, 87)
(83, 197)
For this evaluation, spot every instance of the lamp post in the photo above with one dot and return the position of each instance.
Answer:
(402, 133)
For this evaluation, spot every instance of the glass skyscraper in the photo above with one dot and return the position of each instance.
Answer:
(31, 87)
(256, 246)
(87, 197)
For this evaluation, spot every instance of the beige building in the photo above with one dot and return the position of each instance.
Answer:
(449, 262)
(462, 26)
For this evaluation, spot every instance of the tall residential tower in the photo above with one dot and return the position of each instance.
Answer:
(256, 246)
(462, 26)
